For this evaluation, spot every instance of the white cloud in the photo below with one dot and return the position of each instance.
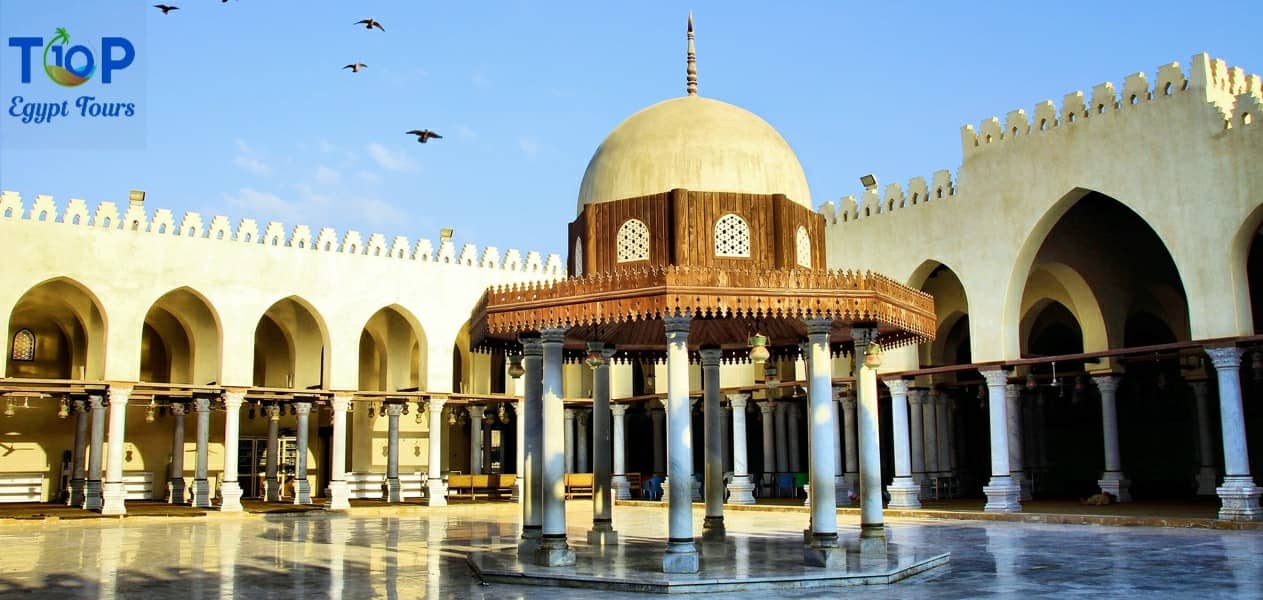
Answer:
(465, 132)
(378, 212)
(251, 202)
(529, 146)
(248, 159)
(326, 147)
(326, 176)
(368, 176)
(391, 161)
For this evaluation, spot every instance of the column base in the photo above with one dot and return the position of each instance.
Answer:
(806, 494)
(1206, 479)
(177, 493)
(841, 491)
(1025, 492)
(904, 493)
(230, 501)
(516, 494)
(435, 493)
(622, 487)
(92, 494)
(823, 551)
(76, 493)
(740, 490)
(339, 495)
(554, 552)
(872, 541)
(602, 534)
(112, 495)
(713, 529)
(1002, 495)
(273, 488)
(392, 490)
(1116, 485)
(923, 481)
(302, 490)
(1239, 499)
(529, 543)
(681, 557)
(201, 493)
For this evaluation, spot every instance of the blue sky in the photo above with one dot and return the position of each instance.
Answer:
(244, 109)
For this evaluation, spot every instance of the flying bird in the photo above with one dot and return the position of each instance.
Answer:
(166, 8)
(424, 134)
(355, 67)
(370, 23)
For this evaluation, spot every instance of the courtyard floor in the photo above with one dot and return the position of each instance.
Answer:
(417, 552)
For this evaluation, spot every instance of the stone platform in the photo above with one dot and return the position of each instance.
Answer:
(743, 563)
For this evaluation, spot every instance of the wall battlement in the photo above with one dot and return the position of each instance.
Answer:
(892, 198)
(162, 222)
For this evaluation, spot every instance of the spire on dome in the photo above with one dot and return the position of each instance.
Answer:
(692, 60)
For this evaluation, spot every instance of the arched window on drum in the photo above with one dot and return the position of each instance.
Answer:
(633, 241)
(732, 237)
(803, 243)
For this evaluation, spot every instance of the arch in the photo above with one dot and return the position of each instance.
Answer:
(1245, 251)
(732, 237)
(393, 351)
(802, 242)
(951, 305)
(1062, 284)
(633, 241)
(192, 336)
(303, 362)
(70, 326)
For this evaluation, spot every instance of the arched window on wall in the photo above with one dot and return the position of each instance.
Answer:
(578, 257)
(633, 241)
(804, 247)
(732, 237)
(23, 345)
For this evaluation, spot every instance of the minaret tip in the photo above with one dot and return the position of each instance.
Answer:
(692, 60)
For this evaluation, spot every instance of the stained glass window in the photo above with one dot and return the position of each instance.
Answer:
(24, 345)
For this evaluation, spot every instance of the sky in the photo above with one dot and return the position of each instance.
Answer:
(242, 108)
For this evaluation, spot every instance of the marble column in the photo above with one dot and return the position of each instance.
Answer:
(767, 412)
(659, 440)
(916, 437)
(622, 487)
(872, 524)
(931, 434)
(823, 549)
(392, 490)
(852, 445)
(943, 436)
(230, 484)
(602, 531)
(1003, 495)
(175, 482)
(271, 485)
(112, 491)
(782, 433)
(1239, 496)
(681, 555)
(841, 486)
(201, 466)
(475, 437)
(740, 488)
(1206, 476)
(302, 487)
(79, 407)
(582, 419)
(568, 424)
(713, 443)
(794, 424)
(533, 445)
(904, 490)
(92, 482)
(519, 482)
(1112, 481)
(435, 489)
(1012, 398)
(553, 550)
(725, 432)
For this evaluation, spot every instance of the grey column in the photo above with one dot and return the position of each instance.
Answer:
(92, 483)
(1003, 495)
(622, 487)
(944, 438)
(1012, 399)
(393, 491)
(740, 489)
(872, 524)
(659, 440)
(1239, 496)
(725, 431)
(79, 406)
(904, 491)
(767, 411)
(823, 550)
(713, 442)
(916, 437)
(852, 442)
(681, 555)
(175, 487)
(932, 466)
(533, 445)
(201, 483)
(1112, 481)
(782, 444)
(602, 502)
(1206, 476)
(794, 425)
(582, 419)
(841, 487)
(302, 487)
(568, 424)
(475, 438)
(272, 487)
(553, 550)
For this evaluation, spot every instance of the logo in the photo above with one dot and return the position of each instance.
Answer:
(73, 65)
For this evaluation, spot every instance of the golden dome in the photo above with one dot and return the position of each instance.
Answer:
(693, 143)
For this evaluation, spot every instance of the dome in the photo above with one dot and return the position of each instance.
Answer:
(697, 144)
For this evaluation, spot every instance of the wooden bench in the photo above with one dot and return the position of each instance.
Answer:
(462, 485)
(578, 484)
(21, 487)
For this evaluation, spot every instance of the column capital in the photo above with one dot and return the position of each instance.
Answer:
(569, 414)
(739, 400)
(119, 394)
(1227, 357)
(765, 407)
(896, 386)
(677, 324)
(1013, 392)
(302, 407)
(273, 411)
(233, 399)
(995, 377)
(818, 326)
(1106, 384)
(436, 403)
(583, 415)
(532, 345)
(201, 404)
(618, 410)
(177, 408)
(96, 400)
(849, 400)
(393, 409)
(341, 402)
(710, 356)
(917, 396)
(863, 335)
(552, 335)
(476, 411)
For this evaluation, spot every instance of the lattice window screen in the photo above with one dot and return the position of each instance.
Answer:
(804, 247)
(24, 345)
(578, 257)
(732, 236)
(633, 241)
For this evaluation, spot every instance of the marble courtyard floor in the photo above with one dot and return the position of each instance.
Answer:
(416, 552)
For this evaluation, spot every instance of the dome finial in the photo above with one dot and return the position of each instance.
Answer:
(692, 60)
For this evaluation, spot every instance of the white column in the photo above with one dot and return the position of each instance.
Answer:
(271, 485)
(519, 482)
(916, 437)
(681, 555)
(112, 492)
(823, 549)
(230, 483)
(435, 489)
(931, 434)
(302, 487)
(1003, 495)
(1206, 477)
(201, 467)
(392, 489)
(568, 415)
(872, 524)
(622, 487)
(1012, 397)
(794, 424)
(531, 416)
(782, 443)
(339, 493)
(92, 482)
(1239, 496)
(175, 485)
(852, 445)
(553, 550)
(1112, 481)
(841, 486)
(713, 475)
(602, 502)
(582, 420)
(767, 412)
(476, 413)
(904, 491)
(659, 439)
(740, 489)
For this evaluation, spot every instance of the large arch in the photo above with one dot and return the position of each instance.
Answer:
(1059, 283)
(291, 345)
(1246, 269)
(951, 307)
(182, 339)
(69, 326)
(392, 351)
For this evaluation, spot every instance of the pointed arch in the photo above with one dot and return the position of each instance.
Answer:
(293, 349)
(192, 335)
(70, 324)
(392, 350)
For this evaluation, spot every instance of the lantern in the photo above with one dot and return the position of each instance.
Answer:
(515, 366)
(758, 349)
